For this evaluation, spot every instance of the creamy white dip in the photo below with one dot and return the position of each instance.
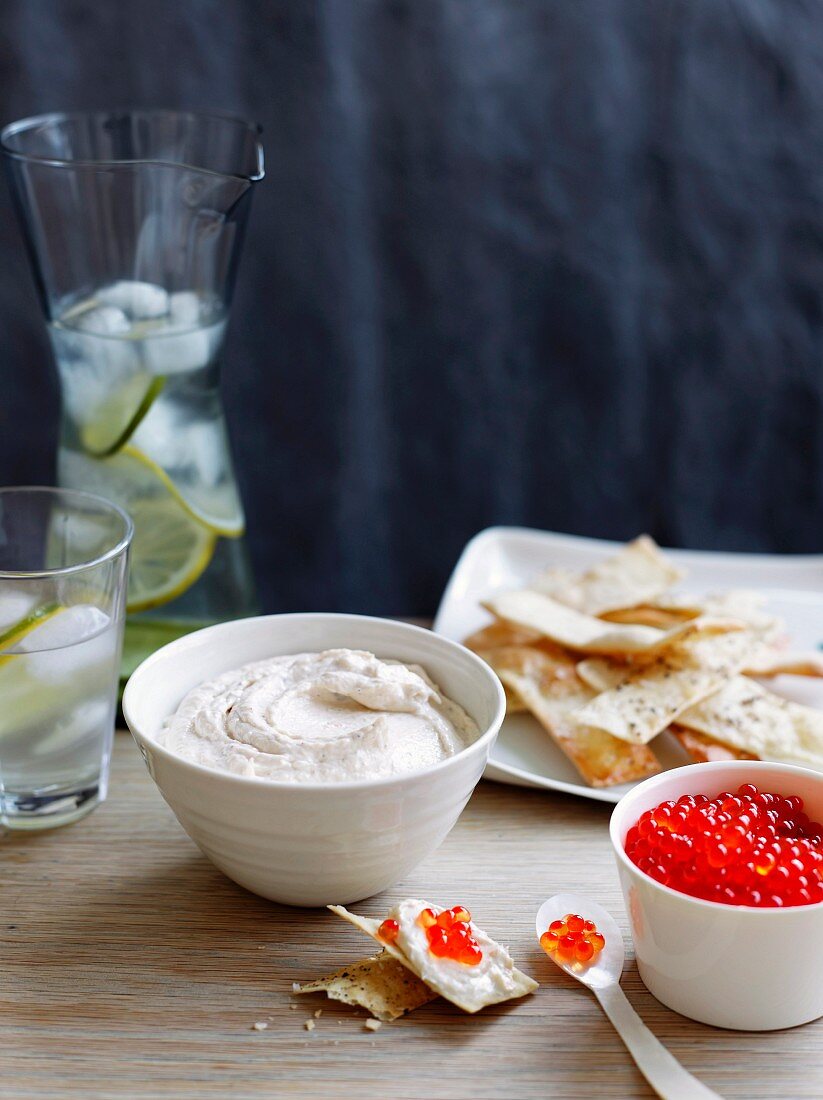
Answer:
(495, 978)
(319, 718)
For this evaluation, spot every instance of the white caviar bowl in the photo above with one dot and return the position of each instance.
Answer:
(312, 844)
(731, 966)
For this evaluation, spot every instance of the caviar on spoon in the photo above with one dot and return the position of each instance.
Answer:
(601, 972)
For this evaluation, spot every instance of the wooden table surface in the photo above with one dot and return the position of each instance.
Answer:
(132, 968)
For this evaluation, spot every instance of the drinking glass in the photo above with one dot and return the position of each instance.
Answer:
(134, 222)
(63, 570)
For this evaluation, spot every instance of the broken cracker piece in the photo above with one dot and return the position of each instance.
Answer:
(745, 715)
(554, 580)
(380, 984)
(637, 573)
(587, 634)
(501, 633)
(514, 704)
(786, 663)
(567, 627)
(646, 616)
(704, 749)
(552, 691)
(654, 695)
(737, 603)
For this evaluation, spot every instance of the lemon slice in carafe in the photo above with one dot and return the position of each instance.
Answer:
(169, 553)
(218, 510)
(170, 549)
(118, 417)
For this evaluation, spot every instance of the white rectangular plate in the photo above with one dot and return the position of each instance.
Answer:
(509, 557)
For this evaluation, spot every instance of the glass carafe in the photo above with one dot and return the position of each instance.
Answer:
(134, 223)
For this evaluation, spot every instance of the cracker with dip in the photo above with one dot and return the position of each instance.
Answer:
(447, 952)
(609, 658)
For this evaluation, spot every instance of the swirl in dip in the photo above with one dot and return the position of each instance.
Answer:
(319, 718)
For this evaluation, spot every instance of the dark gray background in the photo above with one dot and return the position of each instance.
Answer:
(555, 262)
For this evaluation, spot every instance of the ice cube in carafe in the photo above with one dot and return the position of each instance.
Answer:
(140, 301)
(103, 321)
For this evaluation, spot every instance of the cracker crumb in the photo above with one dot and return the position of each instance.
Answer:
(292, 1007)
(309, 1025)
(372, 1025)
(318, 1013)
(260, 1025)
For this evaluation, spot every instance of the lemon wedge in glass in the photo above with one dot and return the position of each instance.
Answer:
(12, 635)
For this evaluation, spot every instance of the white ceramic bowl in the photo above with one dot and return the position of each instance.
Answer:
(312, 844)
(726, 965)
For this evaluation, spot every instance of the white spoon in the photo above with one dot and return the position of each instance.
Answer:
(660, 1068)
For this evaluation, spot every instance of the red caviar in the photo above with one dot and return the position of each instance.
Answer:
(748, 848)
(449, 935)
(573, 940)
(388, 931)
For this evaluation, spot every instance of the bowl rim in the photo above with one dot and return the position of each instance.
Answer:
(484, 741)
(764, 766)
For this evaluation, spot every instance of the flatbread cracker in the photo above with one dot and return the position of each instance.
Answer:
(611, 655)
(380, 984)
(554, 580)
(567, 627)
(742, 603)
(603, 673)
(500, 633)
(656, 694)
(647, 616)
(552, 691)
(587, 634)
(635, 574)
(745, 715)
(703, 749)
(786, 663)
(737, 603)
(522, 984)
(514, 704)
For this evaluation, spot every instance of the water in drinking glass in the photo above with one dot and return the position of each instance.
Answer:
(63, 570)
(57, 670)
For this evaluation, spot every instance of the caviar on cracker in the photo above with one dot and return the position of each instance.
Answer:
(448, 934)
